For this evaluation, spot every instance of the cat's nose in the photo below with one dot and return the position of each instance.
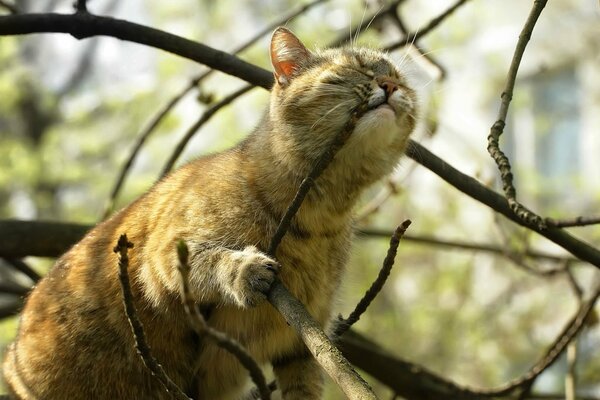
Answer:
(388, 86)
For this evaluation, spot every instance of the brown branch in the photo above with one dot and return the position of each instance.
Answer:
(85, 25)
(415, 382)
(566, 336)
(11, 309)
(294, 312)
(344, 324)
(308, 182)
(206, 116)
(528, 216)
(13, 288)
(434, 23)
(38, 238)
(23, 268)
(477, 191)
(364, 233)
(12, 8)
(80, 6)
(137, 328)
(577, 221)
(323, 350)
(200, 326)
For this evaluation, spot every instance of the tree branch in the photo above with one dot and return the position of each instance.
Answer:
(294, 312)
(137, 328)
(200, 326)
(434, 23)
(85, 25)
(344, 324)
(206, 116)
(528, 216)
(476, 190)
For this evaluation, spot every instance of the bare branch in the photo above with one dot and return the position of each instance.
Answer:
(84, 25)
(434, 23)
(206, 116)
(12, 8)
(566, 336)
(567, 223)
(80, 6)
(137, 328)
(528, 216)
(38, 238)
(23, 268)
(308, 182)
(344, 324)
(327, 355)
(317, 342)
(476, 190)
(461, 245)
(13, 288)
(200, 326)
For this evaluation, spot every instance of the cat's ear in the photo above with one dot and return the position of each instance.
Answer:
(287, 53)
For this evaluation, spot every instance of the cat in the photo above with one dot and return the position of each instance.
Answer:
(74, 341)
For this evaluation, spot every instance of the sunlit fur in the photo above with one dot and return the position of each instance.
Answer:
(74, 341)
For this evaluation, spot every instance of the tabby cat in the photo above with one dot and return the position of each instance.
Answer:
(74, 341)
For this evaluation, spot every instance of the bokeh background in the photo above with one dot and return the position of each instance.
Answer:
(70, 112)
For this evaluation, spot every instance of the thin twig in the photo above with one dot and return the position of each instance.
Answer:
(462, 245)
(567, 335)
(12, 8)
(316, 171)
(137, 328)
(206, 116)
(344, 324)
(470, 186)
(24, 268)
(434, 23)
(13, 288)
(200, 326)
(528, 216)
(81, 6)
(327, 355)
(567, 223)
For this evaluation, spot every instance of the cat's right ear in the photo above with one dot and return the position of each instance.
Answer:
(287, 53)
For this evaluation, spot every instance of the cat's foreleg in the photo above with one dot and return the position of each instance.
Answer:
(240, 277)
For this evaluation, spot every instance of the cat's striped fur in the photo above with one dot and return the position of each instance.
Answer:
(74, 341)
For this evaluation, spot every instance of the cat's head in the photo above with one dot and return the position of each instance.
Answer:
(316, 92)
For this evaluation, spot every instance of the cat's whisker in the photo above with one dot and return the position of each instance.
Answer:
(362, 19)
(373, 18)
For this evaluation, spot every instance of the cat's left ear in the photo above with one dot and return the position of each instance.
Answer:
(287, 53)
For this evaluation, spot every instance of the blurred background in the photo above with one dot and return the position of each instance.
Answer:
(466, 298)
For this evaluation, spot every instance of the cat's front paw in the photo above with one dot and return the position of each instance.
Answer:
(253, 276)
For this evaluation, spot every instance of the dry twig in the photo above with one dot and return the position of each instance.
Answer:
(434, 23)
(137, 328)
(200, 326)
(12, 8)
(294, 312)
(206, 116)
(577, 221)
(344, 324)
(528, 216)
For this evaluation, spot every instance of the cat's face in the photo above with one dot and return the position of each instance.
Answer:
(315, 94)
